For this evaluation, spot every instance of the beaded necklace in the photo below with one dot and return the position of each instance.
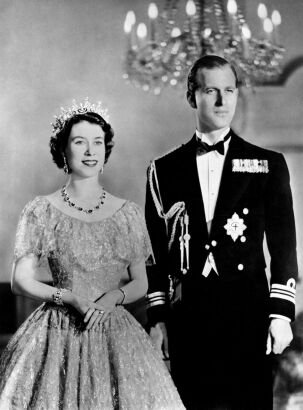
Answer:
(66, 198)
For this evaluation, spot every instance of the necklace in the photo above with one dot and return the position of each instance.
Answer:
(66, 198)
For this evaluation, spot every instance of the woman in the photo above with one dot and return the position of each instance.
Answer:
(81, 349)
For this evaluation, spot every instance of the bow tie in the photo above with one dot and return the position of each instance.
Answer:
(204, 148)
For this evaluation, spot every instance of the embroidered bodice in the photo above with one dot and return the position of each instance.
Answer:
(89, 258)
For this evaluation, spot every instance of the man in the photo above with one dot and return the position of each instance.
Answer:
(209, 203)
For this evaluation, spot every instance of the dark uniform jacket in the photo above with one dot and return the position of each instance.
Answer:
(217, 330)
(254, 189)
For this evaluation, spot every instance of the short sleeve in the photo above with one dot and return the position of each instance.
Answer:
(139, 242)
(30, 231)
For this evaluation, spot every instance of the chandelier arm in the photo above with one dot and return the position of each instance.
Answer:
(287, 71)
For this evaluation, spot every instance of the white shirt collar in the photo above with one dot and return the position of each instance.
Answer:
(204, 138)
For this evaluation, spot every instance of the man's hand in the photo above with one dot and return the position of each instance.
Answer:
(279, 336)
(158, 334)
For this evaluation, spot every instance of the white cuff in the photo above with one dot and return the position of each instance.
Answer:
(274, 316)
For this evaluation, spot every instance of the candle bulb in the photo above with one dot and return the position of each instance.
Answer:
(129, 22)
(246, 35)
(262, 14)
(232, 9)
(262, 11)
(141, 33)
(268, 27)
(276, 20)
(152, 14)
(190, 10)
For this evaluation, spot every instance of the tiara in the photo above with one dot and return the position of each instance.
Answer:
(82, 108)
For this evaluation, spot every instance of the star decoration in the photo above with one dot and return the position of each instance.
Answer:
(235, 226)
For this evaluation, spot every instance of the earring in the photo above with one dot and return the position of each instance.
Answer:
(65, 168)
(101, 169)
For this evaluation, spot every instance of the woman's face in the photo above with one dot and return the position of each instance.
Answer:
(85, 151)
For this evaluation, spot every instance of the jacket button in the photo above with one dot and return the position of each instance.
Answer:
(243, 239)
(245, 211)
(207, 247)
(214, 243)
(240, 266)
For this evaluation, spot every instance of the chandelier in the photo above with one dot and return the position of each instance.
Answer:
(162, 54)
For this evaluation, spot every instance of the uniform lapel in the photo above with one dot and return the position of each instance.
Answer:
(233, 184)
(191, 189)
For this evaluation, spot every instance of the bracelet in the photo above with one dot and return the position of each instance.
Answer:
(123, 293)
(57, 296)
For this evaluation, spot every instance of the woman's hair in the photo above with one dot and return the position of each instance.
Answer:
(58, 142)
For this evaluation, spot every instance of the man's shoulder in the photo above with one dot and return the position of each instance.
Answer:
(258, 151)
(172, 156)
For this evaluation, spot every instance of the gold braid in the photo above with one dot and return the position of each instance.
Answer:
(176, 210)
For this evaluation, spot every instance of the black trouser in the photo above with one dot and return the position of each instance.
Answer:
(217, 348)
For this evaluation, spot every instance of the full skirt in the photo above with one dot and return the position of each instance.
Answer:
(53, 362)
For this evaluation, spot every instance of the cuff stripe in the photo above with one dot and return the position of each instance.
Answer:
(284, 289)
(283, 292)
(154, 294)
(155, 303)
(281, 296)
(155, 298)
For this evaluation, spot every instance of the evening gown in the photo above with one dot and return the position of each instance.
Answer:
(52, 362)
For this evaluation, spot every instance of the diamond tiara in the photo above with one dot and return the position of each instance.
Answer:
(75, 109)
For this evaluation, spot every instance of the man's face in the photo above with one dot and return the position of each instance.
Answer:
(216, 98)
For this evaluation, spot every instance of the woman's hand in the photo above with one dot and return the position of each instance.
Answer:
(81, 304)
(106, 305)
(93, 316)
(86, 308)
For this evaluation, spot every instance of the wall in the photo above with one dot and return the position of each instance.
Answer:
(54, 51)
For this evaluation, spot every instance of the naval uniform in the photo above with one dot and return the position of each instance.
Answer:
(207, 219)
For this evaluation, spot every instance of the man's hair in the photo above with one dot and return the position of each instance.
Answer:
(208, 62)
